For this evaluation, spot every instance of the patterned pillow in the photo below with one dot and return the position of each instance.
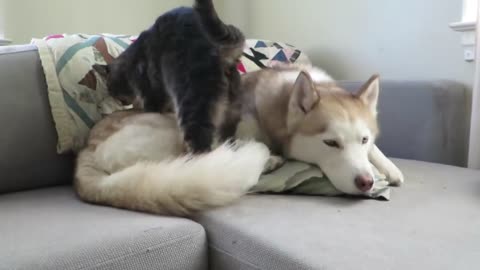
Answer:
(79, 98)
(259, 54)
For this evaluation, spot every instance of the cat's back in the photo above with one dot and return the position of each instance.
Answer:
(176, 19)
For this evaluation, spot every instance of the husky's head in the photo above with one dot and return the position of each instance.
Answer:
(335, 130)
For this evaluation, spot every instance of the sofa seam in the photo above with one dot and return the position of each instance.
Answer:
(243, 261)
(18, 52)
(152, 248)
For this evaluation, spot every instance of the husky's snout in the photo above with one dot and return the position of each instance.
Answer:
(364, 182)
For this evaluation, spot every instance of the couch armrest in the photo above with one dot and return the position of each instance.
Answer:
(423, 120)
(29, 159)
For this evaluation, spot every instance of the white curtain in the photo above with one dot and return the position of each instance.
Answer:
(474, 149)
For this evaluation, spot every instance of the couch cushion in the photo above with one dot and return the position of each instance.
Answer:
(52, 229)
(28, 139)
(431, 223)
(423, 120)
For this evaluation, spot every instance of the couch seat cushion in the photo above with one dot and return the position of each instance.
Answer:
(52, 229)
(433, 222)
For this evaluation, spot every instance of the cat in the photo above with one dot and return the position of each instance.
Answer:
(185, 63)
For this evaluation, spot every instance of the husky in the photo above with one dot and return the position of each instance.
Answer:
(301, 114)
(185, 63)
(137, 160)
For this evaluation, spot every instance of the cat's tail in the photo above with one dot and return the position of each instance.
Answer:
(179, 187)
(221, 33)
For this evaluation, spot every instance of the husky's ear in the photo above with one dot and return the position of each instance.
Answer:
(302, 100)
(369, 93)
(103, 70)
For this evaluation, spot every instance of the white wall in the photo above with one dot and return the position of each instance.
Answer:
(351, 39)
(236, 12)
(37, 18)
(474, 147)
(408, 39)
(2, 23)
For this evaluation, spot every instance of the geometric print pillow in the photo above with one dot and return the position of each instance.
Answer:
(259, 54)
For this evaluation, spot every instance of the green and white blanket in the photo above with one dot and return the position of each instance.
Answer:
(304, 179)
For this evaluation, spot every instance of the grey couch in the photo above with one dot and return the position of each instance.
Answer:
(433, 222)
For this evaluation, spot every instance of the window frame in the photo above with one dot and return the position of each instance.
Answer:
(467, 26)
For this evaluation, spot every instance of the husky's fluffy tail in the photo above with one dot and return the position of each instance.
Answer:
(225, 35)
(178, 187)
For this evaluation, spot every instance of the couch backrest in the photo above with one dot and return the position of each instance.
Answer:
(419, 120)
(28, 157)
(423, 120)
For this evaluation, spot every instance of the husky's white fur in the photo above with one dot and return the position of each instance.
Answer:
(136, 160)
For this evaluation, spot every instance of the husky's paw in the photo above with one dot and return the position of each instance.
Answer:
(395, 176)
(273, 163)
(253, 157)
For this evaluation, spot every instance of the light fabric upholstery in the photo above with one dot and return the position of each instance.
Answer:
(431, 223)
(423, 120)
(51, 229)
(28, 139)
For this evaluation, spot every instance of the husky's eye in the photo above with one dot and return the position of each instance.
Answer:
(332, 143)
(364, 140)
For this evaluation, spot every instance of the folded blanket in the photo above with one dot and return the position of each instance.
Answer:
(305, 179)
(78, 96)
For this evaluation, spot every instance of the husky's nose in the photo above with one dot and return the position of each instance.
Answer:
(364, 182)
